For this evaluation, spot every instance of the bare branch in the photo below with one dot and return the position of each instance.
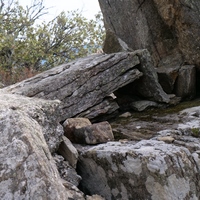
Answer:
(36, 10)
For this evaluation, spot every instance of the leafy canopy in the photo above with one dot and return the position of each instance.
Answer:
(30, 47)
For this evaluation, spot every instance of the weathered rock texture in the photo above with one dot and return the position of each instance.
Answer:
(68, 151)
(45, 113)
(148, 86)
(164, 166)
(81, 131)
(107, 108)
(114, 44)
(67, 172)
(166, 28)
(27, 168)
(86, 83)
(145, 170)
(167, 77)
(71, 124)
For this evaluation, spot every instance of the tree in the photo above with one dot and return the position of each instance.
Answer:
(26, 46)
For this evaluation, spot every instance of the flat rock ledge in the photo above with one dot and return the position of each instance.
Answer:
(84, 82)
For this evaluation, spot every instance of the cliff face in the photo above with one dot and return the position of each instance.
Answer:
(170, 30)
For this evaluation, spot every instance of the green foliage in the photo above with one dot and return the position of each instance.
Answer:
(24, 44)
(195, 132)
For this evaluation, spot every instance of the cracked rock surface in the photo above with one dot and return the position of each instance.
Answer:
(27, 169)
(86, 81)
(159, 159)
(142, 170)
(166, 28)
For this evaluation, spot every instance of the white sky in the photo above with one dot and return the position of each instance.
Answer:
(87, 7)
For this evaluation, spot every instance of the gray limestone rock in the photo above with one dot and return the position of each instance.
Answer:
(169, 30)
(44, 112)
(165, 28)
(148, 85)
(148, 169)
(84, 82)
(66, 171)
(105, 110)
(167, 77)
(113, 44)
(27, 168)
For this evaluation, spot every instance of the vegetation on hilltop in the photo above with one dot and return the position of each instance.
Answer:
(28, 47)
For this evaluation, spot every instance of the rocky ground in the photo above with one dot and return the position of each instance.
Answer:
(146, 124)
(155, 156)
(152, 154)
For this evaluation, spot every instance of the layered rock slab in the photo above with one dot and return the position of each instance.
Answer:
(148, 169)
(84, 82)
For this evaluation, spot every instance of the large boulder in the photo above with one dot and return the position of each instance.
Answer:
(165, 28)
(84, 85)
(148, 85)
(28, 170)
(45, 113)
(164, 164)
(182, 17)
(85, 82)
(149, 169)
(180, 80)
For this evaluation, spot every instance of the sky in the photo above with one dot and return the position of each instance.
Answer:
(87, 7)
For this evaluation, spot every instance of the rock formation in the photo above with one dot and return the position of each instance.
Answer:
(85, 81)
(166, 28)
(143, 170)
(169, 30)
(154, 53)
(81, 131)
(89, 81)
(30, 135)
(28, 170)
(166, 166)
